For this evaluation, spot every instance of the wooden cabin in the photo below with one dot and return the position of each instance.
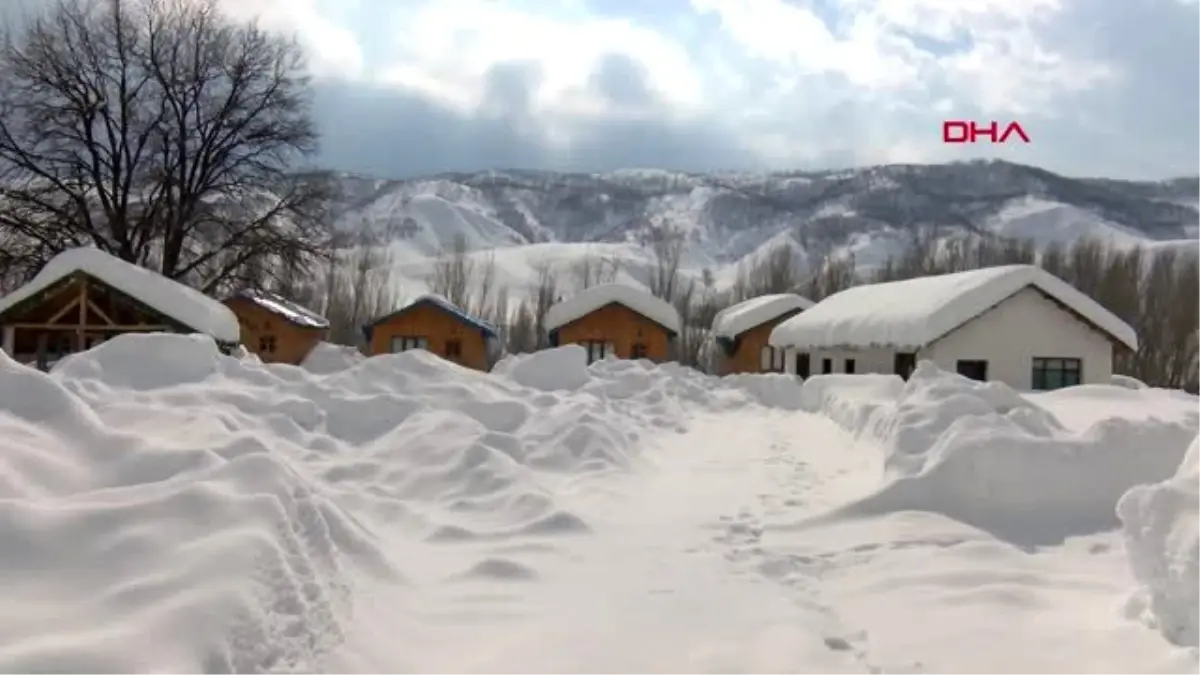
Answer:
(434, 324)
(84, 296)
(615, 320)
(742, 331)
(275, 328)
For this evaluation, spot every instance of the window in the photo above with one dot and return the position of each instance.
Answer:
(1055, 373)
(266, 344)
(826, 366)
(772, 359)
(974, 369)
(597, 349)
(850, 365)
(639, 350)
(904, 364)
(404, 343)
(453, 349)
(802, 365)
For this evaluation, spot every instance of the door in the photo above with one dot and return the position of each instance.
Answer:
(974, 369)
(802, 367)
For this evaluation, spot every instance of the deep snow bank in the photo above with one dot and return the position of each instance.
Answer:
(985, 455)
(1162, 535)
(167, 508)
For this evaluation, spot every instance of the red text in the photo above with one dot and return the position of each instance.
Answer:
(963, 131)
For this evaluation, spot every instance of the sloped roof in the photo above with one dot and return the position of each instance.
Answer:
(913, 313)
(168, 297)
(591, 299)
(747, 314)
(281, 306)
(445, 305)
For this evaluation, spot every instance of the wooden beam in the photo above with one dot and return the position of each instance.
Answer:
(63, 312)
(80, 336)
(93, 328)
(100, 313)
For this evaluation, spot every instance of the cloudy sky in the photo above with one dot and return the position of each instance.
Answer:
(409, 87)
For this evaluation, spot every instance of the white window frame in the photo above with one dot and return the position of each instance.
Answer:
(404, 343)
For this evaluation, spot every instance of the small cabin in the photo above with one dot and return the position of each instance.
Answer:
(276, 329)
(742, 332)
(436, 325)
(84, 296)
(615, 320)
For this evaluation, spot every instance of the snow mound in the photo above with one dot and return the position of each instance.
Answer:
(231, 514)
(561, 368)
(982, 454)
(593, 298)
(326, 358)
(1162, 538)
(737, 319)
(1128, 382)
(852, 401)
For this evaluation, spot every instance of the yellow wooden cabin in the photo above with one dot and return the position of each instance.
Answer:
(741, 332)
(275, 328)
(434, 324)
(615, 320)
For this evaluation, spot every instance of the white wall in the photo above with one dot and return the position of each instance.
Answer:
(1025, 326)
(874, 360)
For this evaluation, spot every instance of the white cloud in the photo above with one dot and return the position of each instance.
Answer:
(447, 49)
(789, 82)
(334, 50)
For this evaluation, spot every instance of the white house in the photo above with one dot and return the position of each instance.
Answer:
(1016, 324)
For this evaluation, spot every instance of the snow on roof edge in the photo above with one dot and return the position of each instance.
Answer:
(433, 298)
(293, 312)
(753, 312)
(874, 315)
(180, 302)
(593, 298)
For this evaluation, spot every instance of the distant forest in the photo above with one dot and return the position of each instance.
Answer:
(1157, 291)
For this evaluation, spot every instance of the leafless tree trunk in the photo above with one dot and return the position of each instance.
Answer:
(593, 270)
(453, 273)
(668, 246)
(161, 132)
(545, 294)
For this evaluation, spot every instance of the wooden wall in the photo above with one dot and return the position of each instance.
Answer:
(748, 356)
(621, 326)
(437, 326)
(263, 329)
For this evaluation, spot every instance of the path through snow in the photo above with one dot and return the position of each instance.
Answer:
(674, 576)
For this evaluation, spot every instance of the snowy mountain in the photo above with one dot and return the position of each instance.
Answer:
(531, 216)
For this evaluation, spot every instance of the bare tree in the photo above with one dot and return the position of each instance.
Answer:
(592, 270)
(161, 132)
(545, 294)
(453, 273)
(667, 245)
(361, 287)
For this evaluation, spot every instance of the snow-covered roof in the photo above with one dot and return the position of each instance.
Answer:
(168, 297)
(737, 319)
(281, 306)
(591, 299)
(442, 303)
(912, 313)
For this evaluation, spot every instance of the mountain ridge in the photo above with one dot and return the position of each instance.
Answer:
(871, 212)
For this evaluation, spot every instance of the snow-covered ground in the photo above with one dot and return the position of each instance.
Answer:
(166, 508)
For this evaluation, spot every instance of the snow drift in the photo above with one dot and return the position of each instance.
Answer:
(987, 456)
(1161, 531)
(168, 508)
